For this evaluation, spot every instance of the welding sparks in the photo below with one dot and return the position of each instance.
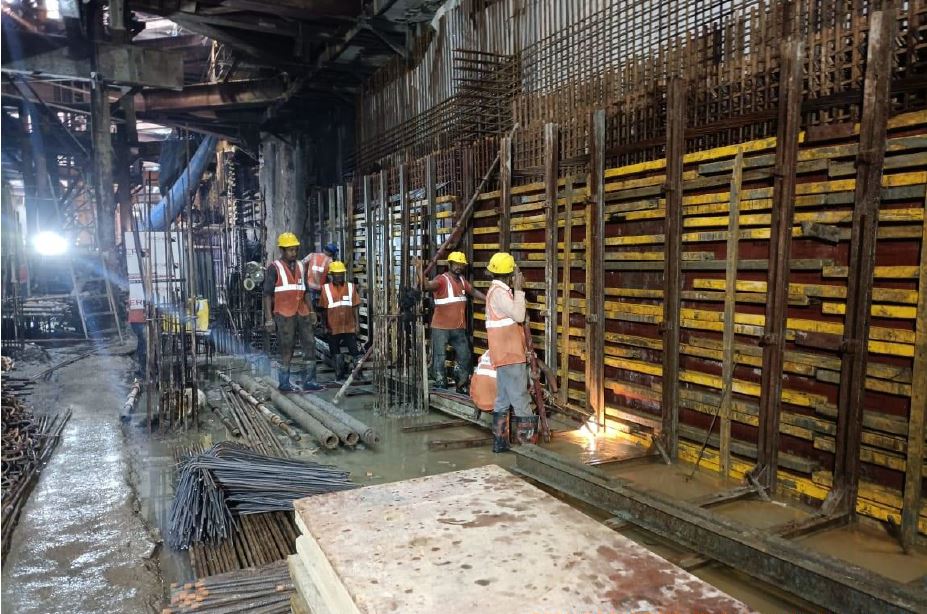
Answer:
(589, 431)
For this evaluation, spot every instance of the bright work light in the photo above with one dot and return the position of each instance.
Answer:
(49, 243)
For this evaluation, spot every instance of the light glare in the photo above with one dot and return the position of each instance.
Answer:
(50, 243)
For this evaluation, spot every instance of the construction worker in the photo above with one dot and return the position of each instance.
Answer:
(340, 302)
(505, 313)
(483, 384)
(317, 270)
(285, 298)
(449, 321)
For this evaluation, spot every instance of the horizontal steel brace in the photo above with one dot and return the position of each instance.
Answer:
(117, 64)
(822, 580)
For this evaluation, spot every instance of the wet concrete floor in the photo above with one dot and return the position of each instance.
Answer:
(79, 545)
(114, 561)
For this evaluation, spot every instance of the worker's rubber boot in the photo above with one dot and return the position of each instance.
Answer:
(308, 382)
(526, 429)
(463, 383)
(500, 432)
(340, 368)
(283, 380)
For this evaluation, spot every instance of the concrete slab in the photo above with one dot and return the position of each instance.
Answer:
(483, 539)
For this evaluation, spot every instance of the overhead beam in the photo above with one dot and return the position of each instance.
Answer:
(225, 96)
(117, 64)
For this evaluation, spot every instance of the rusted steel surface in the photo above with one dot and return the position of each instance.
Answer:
(672, 260)
(783, 214)
(505, 197)
(862, 256)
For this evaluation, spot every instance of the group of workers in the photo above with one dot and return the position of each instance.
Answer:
(295, 293)
(294, 289)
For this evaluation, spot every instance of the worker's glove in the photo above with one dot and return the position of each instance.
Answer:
(269, 326)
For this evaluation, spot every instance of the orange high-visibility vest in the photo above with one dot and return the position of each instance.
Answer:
(450, 303)
(339, 301)
(317, 270)
(290, 290)
(483, 384)
(506, 337)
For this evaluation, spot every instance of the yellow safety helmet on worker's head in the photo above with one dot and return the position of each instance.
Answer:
(501, 263)
(457, 257)
(287, 239)
(337, 267)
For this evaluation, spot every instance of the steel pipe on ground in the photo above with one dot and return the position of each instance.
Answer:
(346, 434)
(296, 413)
(367, 434)
(274, 418)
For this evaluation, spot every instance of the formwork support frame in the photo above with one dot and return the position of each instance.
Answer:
(595, 271)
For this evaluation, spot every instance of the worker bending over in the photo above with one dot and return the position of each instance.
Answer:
(340, 302)
(317, 264)
(505, 313)
(285, 298)
(449, 321)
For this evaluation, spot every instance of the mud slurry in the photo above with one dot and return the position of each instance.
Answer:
(79, 545)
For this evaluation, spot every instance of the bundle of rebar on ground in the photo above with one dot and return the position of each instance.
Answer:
(28, 442)
(263, 590)
(258, 539)
(228, 479)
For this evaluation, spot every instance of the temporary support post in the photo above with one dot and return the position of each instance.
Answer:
(672, 261)
(431, 207)
(780, 243)
(406, 231)
(914, 467)
(102, 145)
(505, 193)
(369, 256)
(567, 283)
(728, 361)
(872, 137)
(346, 207)
(332, 215)
(595, 271)
(551, 172)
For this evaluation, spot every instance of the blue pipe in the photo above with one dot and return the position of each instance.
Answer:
(178, 198)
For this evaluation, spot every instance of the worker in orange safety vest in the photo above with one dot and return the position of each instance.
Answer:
(505, 313)
(340, 302)
(317, 264)
(286, 310)
(483, 384)
(449, 321)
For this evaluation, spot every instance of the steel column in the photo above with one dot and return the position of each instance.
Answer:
(551, 172)
(505, 193)
(595, 271)
(861, 262)
(780, 243)
(672, 261)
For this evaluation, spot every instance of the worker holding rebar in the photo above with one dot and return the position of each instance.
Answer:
(340, 302)
(285, 309)
(449, 321)
(505, 312)
(317, 264)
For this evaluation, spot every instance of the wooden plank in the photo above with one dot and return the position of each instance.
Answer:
(551, 169)
(672, 272)
(595, 272)
(913, 477)
(565, 310)
(728, 361)
(790, 95)
(505, 197)
(861, 260)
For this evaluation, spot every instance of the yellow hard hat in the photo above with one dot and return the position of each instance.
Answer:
(287, 239)
(501, 263)
(457, 257)
(337, 267)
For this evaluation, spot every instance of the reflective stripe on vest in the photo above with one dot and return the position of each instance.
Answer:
(506, 337)
(451, 297)
(346, 301)
(484, 366)
(283, 280)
